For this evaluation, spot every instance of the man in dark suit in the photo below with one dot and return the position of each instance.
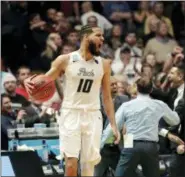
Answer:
(177, 166)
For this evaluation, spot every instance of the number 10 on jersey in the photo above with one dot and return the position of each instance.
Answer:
(85, 85)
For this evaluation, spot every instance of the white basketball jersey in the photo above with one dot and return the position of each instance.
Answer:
(82, 82)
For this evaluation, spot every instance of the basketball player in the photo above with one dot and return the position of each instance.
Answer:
(80, 124)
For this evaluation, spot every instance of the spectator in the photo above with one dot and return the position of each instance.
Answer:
(122, 84)
(73, 38)
(87, 10)
(117, 11)
(14, 27)
(141, 15)
(53, 47)
(139, 115)
(92, 21)
(51, 15)
(132, 91)
(176, 78)
(36, 39)
(163, 45)
(153, 28)
(10, 118)
(158, 9)
(178, 20)
(125, 66)
(61, 25)
(131, 42)
(23, 73)
(116, 38)
(67, 48)
(9, 83)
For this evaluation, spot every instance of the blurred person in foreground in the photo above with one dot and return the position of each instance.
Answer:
(141, 117)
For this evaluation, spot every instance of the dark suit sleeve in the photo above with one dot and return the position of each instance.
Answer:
(180, 109)
(5, 125)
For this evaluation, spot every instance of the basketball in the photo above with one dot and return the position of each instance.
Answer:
(44, 88)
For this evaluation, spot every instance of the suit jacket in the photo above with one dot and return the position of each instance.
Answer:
(118, 101)
(180, 109)
(6, 123)
(34, 116)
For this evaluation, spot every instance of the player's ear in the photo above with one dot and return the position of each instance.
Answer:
(86, 37)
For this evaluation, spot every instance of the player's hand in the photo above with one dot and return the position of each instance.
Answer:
(175, 139)
(29, 84)
(116, 134)
(180, 149)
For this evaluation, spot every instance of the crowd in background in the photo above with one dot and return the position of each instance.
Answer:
(141, 39)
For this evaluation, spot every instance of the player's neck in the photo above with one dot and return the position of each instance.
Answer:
(85, 53)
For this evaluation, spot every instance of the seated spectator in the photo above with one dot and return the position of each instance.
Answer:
(87, 10)
(10, 118)
(50, 15)
(125, 65)
(92, 21)
(9, 83)
(163, 45)
(116, 38)
(158, 9)
(22, 74)
(67, 48)
(122, 84)
(73, 38)
(131, 42)
(52, 50)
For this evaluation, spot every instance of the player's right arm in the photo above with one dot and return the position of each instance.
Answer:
(57, 69)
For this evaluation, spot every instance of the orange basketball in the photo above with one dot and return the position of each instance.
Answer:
(44, 88)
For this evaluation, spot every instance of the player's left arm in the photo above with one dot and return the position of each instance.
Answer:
(106, 91)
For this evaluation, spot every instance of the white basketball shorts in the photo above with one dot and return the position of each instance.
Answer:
(80, 134)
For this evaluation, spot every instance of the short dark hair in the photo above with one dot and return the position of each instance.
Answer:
(181, 69)
(4, 95)
(144, 85)
(125, 50)
(85, 30)
(22, 67)
(32, 16)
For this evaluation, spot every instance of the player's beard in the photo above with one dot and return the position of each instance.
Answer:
(92, 49)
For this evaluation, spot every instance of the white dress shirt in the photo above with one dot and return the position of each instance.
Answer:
(180, 91)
